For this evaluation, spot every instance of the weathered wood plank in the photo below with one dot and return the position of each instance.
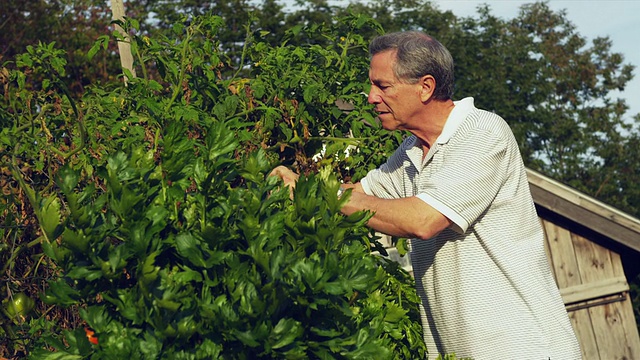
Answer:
(612, 339)
(628, 317)
(594, 290)
(582, 200)
(594, 261)
(632, 339)
(565, 268)
(595, 265)
(630, 329)
(547, 250)
(616, 262)
(563, 258)
(581, 322)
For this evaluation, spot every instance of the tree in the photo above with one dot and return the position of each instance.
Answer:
(23, 22)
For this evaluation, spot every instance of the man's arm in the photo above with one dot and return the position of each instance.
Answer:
(407, 217)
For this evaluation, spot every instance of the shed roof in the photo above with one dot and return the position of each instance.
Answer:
(585, 210)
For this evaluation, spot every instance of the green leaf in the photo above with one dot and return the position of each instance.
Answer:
(188, 247)
(96, 316)
(77, 339)
(116, 258)
(134, 23)
(24, 60)
(168, 304)
(67, 179)
(151, 346)
(255, 166)
(84, 273)
(285, 332)
(49, 248)
(75, 241)
(401, 245)
(246, 337)
(394, 313)
(102, 41)
(309, 92)
(154, 85)
(61, 293)
(220, 140)
(58, 355)
(50, 217)
(158, 216)
(21, 79)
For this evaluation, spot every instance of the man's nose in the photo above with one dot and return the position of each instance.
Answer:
(373, 97)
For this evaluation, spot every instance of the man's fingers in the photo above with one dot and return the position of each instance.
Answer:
(285, 174)
(279, 171)
(289, 177)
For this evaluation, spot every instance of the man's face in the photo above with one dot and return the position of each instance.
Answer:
(396, 102)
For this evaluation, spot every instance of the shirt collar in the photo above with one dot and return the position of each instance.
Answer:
(461, 109)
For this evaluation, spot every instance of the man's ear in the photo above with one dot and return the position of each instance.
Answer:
(428, 87)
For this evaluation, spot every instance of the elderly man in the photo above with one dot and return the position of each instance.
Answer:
(458, 188)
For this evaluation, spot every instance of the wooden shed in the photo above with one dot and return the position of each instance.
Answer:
(585, 239)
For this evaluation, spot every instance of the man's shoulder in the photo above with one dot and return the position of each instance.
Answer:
(481, 119)
(485, 115)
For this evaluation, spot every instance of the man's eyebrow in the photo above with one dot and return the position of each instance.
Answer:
(379, 82)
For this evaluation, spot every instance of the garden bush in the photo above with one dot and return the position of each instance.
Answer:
(141, 220)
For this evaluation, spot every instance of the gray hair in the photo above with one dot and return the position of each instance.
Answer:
(417, 55)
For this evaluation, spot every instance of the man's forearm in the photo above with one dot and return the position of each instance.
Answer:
(407, 217)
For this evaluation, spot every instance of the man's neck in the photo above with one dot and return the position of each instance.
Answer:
(436, 115)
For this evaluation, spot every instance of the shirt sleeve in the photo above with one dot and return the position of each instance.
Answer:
(469, 177)
(386, 181)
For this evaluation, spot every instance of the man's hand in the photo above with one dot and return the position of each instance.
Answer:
(289, 177)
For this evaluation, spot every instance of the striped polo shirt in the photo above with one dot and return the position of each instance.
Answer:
(486, 286)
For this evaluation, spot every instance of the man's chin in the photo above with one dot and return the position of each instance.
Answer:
(389, 126)
(386, 121)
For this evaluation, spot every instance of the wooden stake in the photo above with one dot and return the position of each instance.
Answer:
(124, 46)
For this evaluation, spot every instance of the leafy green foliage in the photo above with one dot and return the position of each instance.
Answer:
(275, 85)
(168, 235)
(226, 270)
(305, 85)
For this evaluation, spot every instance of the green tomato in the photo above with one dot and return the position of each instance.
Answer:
(19, 305)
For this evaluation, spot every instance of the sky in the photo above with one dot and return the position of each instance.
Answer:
(617, 19)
